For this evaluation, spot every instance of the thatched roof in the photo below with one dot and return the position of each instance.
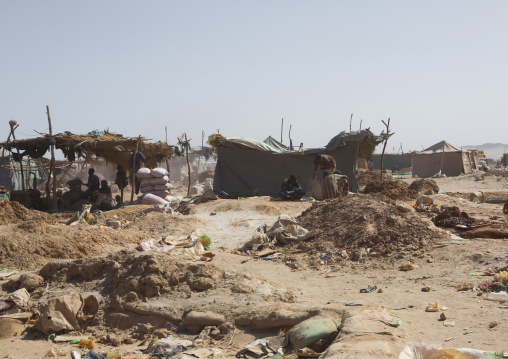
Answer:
(113, 148)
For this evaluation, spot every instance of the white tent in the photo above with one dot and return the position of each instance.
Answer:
(444, 158)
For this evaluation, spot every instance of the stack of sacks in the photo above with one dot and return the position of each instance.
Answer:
(154, 182)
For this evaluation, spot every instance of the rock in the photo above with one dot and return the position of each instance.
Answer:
(129, 341)
(132, 296)
(202, 319)
(243, 321)
(145, 328)
(426, 289)
(442, 316)
(449, 323)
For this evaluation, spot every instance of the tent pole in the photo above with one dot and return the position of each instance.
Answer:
(53, 167)
(133, 174)
(167, 161)
(13, 127)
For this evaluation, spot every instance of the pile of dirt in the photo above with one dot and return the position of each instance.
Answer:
(34, 242)
(12, 212)
(424, 186)
(395, 190)
(363, 225)
(364, 177)
(128, 276)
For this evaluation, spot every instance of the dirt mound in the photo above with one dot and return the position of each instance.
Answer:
(34, 242)
(391, 189)
(365, 226)
(364, 177)
(424, 186)
(126, 279)
(12, 212)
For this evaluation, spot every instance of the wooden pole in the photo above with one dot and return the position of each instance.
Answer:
(13, 127)
(384, 146)
(167, 160)
(52, 167)
(134, 169)
(281, 130)
(202, 145)
(187, 145)
(350, 121)
(290, 140)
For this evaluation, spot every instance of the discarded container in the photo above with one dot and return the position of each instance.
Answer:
(477, 195)
(311, 330)
(499, 296)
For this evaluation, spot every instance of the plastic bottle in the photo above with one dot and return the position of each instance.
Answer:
(499, 296)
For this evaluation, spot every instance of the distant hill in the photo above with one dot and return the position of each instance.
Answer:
(491, 150)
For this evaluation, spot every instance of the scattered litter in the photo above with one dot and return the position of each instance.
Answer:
(499, 296)
(257, 349)
(55, 352)
(156, 245)
(6, 273)
(435, 307)
(369, 289)
(427, 351)
(310, 331)
(169, 345)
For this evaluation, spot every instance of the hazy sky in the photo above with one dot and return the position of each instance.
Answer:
(438, 69)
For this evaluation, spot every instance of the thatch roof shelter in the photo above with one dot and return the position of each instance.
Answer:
(115, 149)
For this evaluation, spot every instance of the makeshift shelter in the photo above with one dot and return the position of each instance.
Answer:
(392, 160)
(245, 165)
(114, 148)
(36, 171)
(444, 158)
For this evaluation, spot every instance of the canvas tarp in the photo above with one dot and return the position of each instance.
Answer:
(391, 160)
(442, 157)
(240, 168)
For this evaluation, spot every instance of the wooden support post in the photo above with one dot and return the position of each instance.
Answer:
(281, 130)
(52, 167)
(134, 169)
(167, 160)
(290, 140)
(187, 145)
(384, 146)
(14, 125)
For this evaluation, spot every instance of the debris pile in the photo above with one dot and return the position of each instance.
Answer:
(424, 186)
(364, 226)
(451, 217)
(364, 177)
(12, 212)
(395, 190)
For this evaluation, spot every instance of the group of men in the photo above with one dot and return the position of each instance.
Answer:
(98, 192)
(332, 185)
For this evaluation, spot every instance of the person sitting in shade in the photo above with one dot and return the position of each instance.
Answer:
(290, 190)
(324, 163)
(93, 184)
(105, 200)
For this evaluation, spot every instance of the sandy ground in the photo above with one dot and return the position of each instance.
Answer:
(231, 223)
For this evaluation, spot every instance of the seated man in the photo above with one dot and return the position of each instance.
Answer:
(332, 185)
(105, 200)
(290, 190)
(92, 184)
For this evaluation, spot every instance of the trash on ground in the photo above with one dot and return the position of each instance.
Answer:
(156, 245)
(310, 331)
(427, 351)
(435, 307)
